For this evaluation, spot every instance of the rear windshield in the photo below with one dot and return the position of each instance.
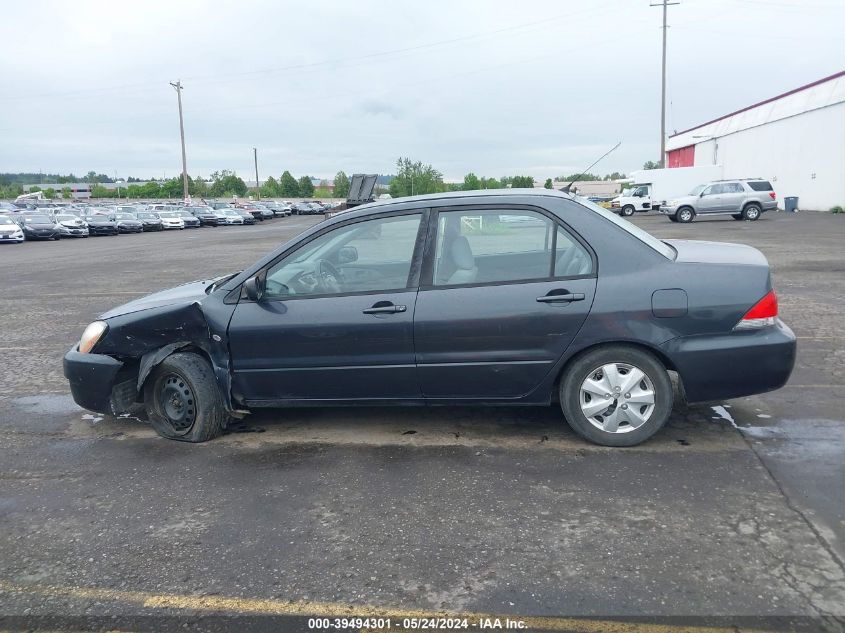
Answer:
(760, 185)
(661, 247)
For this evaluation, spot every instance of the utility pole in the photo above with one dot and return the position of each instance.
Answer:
(178, 86)
(257, 186)
(665, 4)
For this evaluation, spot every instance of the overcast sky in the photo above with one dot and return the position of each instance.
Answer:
(529, 87)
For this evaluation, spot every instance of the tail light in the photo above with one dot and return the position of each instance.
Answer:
(762, 314)
(772, 195)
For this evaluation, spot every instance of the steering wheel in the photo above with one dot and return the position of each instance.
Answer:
(330, 277)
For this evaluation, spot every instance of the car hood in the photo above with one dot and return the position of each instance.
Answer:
(40, 225)
(184, 294)
(679, 200)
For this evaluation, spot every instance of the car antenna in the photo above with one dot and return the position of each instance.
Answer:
(567, 188)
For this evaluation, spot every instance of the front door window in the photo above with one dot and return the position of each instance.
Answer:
(371, 256)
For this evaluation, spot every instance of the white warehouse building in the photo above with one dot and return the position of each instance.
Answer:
(796, 140)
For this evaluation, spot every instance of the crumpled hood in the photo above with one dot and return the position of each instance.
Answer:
(184, 294)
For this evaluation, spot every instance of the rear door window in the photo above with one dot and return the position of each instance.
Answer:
(760, 185)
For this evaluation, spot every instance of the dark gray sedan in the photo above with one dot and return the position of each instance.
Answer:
(513, 297)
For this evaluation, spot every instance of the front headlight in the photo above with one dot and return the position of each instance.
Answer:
(673, 203)
(91, 335)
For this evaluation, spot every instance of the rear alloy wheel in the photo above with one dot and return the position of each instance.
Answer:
(751, 212)
(684, 215)
(616, 396)
(182, 399)
(627, 210)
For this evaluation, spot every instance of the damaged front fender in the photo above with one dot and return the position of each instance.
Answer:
(143, 339)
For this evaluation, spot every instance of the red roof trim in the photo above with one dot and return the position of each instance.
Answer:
(780, 96)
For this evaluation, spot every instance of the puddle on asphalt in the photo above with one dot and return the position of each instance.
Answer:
(50, 404)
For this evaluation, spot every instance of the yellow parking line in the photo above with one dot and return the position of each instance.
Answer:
(261, 606)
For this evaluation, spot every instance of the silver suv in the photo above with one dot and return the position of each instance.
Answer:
(743, 199)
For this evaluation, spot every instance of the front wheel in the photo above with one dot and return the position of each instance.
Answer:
(182, 399)
(616, 395)
(627, 211)
(684, 215)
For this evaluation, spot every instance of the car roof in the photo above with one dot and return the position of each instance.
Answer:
(492, 194)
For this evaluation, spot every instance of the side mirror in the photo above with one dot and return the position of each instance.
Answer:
(347, 255)
(254, 287)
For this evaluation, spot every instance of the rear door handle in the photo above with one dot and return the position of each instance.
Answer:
(563, 298)
(385, 307)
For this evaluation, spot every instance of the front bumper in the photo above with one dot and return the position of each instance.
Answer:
(734, 365)
(11, 238)
(97, 382)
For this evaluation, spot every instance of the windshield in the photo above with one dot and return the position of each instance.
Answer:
(661, 247)
(65, 217)
(5, 220)
(166, 214)
(37, 219)
(124, 216)
(146, 216)
(697, 190)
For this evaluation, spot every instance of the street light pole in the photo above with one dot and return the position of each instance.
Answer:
(257, 185)
(178, 86)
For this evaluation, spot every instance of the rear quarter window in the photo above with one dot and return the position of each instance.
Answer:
(760, 185)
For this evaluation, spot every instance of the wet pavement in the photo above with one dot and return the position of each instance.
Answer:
(737, 508)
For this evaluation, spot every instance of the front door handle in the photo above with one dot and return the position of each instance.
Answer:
(562, 298)
(385, 307)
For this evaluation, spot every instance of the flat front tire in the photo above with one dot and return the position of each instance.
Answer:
(182, 399)
(616, 395)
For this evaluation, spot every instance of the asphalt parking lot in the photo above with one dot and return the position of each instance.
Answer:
(737, 508)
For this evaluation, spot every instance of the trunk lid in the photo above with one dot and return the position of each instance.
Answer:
(700, 252)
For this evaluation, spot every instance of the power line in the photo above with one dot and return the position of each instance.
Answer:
(216, 78)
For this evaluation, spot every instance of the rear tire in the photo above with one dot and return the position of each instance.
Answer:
(627, 211)
(751, 212)
(684, 215)
(182, 399)
(633, 412)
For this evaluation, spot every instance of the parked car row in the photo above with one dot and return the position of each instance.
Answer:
(51, 221)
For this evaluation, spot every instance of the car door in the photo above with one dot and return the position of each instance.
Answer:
(711, 199)
(733, 196)
(335, 322)
(504, 292)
